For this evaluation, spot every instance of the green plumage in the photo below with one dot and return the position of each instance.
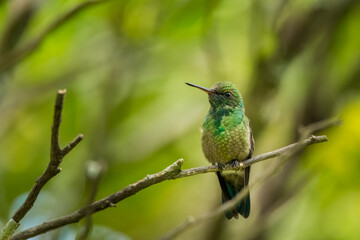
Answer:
(226, 137)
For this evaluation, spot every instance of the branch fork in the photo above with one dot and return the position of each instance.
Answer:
(56, 156)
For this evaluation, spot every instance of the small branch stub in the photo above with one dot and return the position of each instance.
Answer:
(174, 168)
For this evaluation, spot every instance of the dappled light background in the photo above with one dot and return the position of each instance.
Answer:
(124, 65)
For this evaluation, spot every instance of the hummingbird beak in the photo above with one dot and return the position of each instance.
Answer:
(207, 90)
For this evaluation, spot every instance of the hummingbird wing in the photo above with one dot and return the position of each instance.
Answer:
(244, 207)
(252, 143)
(230, 188)
(251, 151)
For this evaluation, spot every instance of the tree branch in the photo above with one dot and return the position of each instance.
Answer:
(238, 165)
(56, 156)
(171, 172)
(304, 131)
(289, 150)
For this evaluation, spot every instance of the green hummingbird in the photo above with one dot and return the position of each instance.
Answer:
(227, 137)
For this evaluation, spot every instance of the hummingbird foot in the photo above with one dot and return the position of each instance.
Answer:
(234, 163)
(220, 166)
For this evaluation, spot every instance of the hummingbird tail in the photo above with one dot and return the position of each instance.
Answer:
(229, 191)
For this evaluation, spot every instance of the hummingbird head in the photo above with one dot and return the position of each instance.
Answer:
(222, 94)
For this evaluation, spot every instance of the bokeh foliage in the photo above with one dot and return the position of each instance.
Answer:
(124, 64)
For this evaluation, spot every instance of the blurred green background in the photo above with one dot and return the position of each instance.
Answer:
(124, 64)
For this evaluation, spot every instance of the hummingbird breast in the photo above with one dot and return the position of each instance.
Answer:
(226, 136)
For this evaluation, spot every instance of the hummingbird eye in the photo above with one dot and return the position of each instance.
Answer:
(227, 94)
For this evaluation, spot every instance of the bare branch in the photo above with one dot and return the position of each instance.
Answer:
(237, 165)
(72, 144)
(172, 172)
(292, 149)
(55, 128)
(191, 222)
(56, 156)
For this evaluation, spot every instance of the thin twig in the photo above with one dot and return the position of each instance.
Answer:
(289, 150)
(172, 172)
(56, 156)
(191, 222)
(258, 158)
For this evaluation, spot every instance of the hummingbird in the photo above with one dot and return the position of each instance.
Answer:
(227, 138)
